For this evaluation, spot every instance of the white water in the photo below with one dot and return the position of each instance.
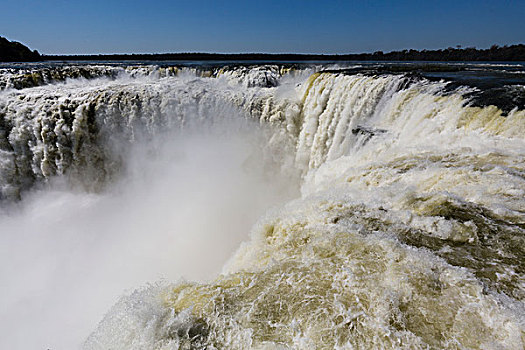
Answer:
(180, 212)
(408, 232)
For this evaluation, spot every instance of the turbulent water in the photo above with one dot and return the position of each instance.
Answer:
(350, 206)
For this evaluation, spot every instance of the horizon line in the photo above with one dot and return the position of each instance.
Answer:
(456, 47)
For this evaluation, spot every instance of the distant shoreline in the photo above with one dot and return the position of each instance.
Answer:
(12, 51)
(495, 53)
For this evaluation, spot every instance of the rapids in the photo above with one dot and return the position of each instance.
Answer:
(391, 211)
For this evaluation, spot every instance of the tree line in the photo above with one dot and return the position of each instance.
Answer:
(12, 51)
(494, 53)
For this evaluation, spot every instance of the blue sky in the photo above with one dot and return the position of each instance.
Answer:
(330, 26)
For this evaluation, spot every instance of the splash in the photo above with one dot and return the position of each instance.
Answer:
(408, 233)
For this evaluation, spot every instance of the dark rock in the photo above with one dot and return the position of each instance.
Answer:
(364, 130)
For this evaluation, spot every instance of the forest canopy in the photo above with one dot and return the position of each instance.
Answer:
(12, 51)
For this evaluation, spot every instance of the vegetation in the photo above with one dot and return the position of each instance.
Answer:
(12, 51)
(494, 53)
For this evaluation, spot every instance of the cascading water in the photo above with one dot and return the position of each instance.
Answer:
(408, 232)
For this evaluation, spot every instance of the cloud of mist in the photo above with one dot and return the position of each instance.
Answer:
(182, 207)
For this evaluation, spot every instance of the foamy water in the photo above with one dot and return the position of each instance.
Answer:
(303, 210)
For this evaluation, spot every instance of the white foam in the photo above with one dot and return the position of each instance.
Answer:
(406, 233)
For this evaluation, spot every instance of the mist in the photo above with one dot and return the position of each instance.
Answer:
(181, 207)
